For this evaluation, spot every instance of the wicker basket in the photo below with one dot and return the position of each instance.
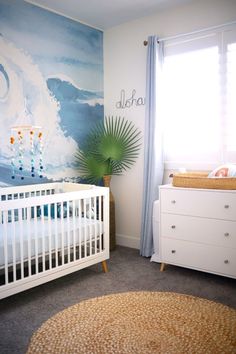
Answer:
(200, 180)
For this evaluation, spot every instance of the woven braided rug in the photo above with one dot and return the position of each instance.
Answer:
(139, 322)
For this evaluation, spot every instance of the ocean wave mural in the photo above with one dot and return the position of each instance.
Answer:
(42, 85)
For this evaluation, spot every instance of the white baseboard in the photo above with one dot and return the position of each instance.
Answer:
(127, 241)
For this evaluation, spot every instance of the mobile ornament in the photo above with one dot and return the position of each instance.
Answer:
(27, 150)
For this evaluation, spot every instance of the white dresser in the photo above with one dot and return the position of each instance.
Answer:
(198, 229)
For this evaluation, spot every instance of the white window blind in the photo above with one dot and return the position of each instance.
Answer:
(199, 99)
(230, 39)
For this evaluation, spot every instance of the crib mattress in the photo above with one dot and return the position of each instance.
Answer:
(45, 236)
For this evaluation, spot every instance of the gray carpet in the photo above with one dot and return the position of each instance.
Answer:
(22, 314)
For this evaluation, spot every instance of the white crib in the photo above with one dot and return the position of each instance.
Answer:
(50, 230)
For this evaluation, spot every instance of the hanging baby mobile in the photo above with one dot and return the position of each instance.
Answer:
(27, 151)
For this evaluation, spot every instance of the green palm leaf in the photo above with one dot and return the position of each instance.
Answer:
(112, 147)
(90, 168)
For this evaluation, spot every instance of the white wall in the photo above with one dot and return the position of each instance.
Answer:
(125, 66)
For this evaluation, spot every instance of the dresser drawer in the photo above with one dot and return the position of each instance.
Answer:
(201, 230)
(209, 203)
(214, 259)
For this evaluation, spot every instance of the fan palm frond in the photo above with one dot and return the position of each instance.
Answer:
(90, 168)
(112, 147)
(116, 139)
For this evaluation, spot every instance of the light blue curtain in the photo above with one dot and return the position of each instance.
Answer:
(153, 155)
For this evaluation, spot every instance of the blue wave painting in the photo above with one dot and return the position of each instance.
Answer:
(51, 75)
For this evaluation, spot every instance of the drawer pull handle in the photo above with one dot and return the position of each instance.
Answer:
(173, 201)
(173, 251)
(226, 234)
(173, 226)
(226, 206)
(226, 261)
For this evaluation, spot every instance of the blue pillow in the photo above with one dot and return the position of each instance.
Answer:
(46, 210)
(58, 210)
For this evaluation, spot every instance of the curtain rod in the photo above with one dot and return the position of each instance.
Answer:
(190, 33)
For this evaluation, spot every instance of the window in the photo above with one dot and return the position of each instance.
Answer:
(231, 100)
(199, 100)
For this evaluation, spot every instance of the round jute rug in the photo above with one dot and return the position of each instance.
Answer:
(139, 322)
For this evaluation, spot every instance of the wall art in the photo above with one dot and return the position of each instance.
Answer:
(127, 101)
(51, 75)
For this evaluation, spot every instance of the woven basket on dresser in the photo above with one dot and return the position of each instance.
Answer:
(200, 180)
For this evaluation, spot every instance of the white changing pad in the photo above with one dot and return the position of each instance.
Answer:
(61, 235)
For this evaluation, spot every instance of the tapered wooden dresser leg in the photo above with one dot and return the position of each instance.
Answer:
(162, 267)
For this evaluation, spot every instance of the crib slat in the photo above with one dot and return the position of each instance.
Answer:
(36, 239)
(96, 228)
(5, 236)
(21, 243)
(13, 227)
(50, 235)
(73, 221)
(68, 229)
(85, 228)
(62, 235)
(56, 232)
(43, 237)
(79, 221)
(100, 218)
(90, 227)
(29, 239)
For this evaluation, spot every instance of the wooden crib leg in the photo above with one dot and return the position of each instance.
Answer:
(104, 266)
(162, 267)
